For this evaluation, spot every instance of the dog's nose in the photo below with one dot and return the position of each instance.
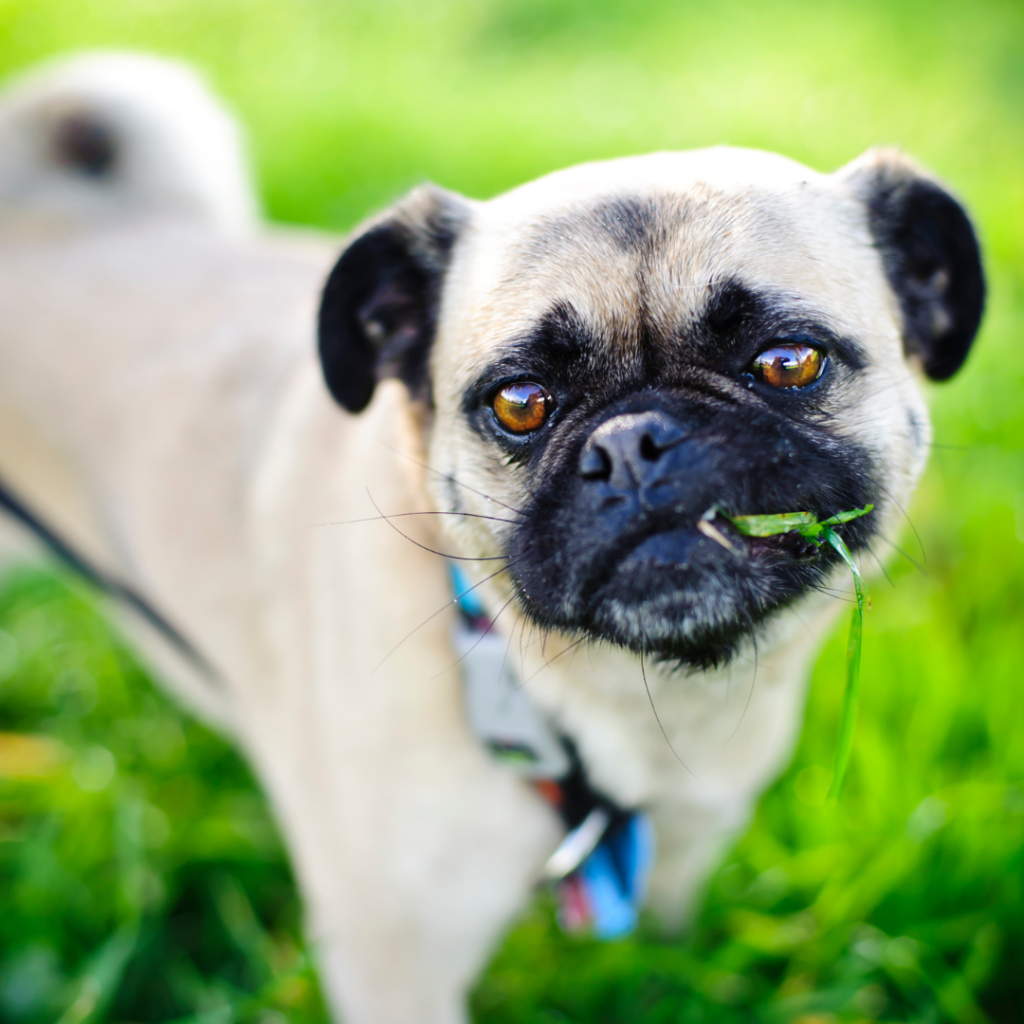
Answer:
(625, 451)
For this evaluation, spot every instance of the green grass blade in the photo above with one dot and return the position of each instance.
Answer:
(845, 517)
(769, 526)
(808, 526)
(102, 975)
(851, 695)
(805, 523)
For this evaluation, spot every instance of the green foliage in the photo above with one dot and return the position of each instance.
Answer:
(140, 875)
(806, 524)
(851, 695)
(824, 532)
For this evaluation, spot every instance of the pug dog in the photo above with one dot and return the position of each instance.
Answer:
(569, 391)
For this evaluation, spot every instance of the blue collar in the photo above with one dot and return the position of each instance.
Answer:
(600, 869)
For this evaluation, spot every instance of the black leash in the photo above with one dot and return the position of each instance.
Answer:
(17, 509)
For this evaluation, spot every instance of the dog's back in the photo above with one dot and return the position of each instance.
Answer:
(145, 329)
(162, 408)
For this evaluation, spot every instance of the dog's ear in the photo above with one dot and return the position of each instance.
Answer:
(931, 257)
(379, 307)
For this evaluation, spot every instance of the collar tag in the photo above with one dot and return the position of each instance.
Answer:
(499, 711)
(601, 868)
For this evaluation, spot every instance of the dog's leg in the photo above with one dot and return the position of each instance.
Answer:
(413, 851)
(691, 840)
(412, 847)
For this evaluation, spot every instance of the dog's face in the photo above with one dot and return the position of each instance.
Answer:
(618, 355)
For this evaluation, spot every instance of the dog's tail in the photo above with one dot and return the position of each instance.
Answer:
(104, 136)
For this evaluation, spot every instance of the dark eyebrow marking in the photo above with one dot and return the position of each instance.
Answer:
(731, 307)
(559, 347)
(737, 318)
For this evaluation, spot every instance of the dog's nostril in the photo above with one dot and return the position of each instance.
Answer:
(624, 450)
(595, 463)
(649, 450)
(661, 435)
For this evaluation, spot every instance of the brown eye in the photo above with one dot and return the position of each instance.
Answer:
(521, 408)
(788, 366)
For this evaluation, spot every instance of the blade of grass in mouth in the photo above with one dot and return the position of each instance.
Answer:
(822, 532)
(770, 526)
(851, 695)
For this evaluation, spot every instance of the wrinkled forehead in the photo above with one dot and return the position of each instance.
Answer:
(636, 248)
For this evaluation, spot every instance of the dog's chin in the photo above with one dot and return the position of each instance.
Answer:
(681, 598)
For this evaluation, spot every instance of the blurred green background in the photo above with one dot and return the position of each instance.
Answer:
(140, 876)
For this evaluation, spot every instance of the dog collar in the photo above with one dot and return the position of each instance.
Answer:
(600, 870)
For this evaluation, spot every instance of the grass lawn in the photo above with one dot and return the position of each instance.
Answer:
(141, 878)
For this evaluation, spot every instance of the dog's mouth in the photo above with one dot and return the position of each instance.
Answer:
(680, 550)
(664, 545)
(686, 592)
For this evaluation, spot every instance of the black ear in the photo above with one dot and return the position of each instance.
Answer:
(379, 306)
(931, 257)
